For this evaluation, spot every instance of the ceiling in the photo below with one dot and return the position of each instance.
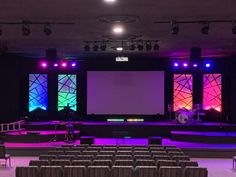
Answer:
(85, 14)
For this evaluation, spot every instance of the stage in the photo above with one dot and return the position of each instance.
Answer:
(205, 139)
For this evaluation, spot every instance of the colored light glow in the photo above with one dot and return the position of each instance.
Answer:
(115, 120)
(185, 65)
(119, 48)
(208, 65)
(55, 64)
(109, 1)
(73, 64)
(64, 64)
(195, 65)
(67, 92)
(38, 93)
(176, 64)
(44, 65)
(118, 30)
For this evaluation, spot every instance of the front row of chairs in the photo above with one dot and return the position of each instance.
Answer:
(105, 171)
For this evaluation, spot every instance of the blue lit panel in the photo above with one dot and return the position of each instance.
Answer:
(38, 92)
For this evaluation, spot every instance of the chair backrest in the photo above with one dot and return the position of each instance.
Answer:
(166, 163)
(31, 171)
(90, 152)
(2, 151)
(181, 157)
(107, 152)
(94, 148)
(124, 152)
(161, 157)
(98, 171)
(102, 163)
(78, 149)
(144, 148)
(74, 171)
(85, 157)
(39, 163)
(104, 157)
(142, 157)
(195, 172)
(144, 152)
(74, 153)
(159, 153)
(81, 163)
(47, 157)
(109, 148)
(123, 162)
(175, 153)
(170, 172)
(66, 157)
(146, 171)
(184, 163)
(60, 163)
(51, 171)
(145, 163)
(127, 157)
(122, 171)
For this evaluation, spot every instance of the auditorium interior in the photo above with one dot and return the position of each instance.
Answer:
(115, 88)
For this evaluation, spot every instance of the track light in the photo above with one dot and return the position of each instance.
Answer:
(156, 46)
(103, 46)
(234, 27)
(140, 46)
(47, 29)
(86, 47)
(95, 47)
(174, 27)
(148, 46)
(25, 29)
(205, 28)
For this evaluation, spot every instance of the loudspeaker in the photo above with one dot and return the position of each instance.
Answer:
(51, 53)
(195, 54)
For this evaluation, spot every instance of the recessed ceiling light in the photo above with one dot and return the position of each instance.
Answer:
(119, 48)
(118, 30)
(109, 1)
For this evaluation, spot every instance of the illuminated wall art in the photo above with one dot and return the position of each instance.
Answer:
(183, 91)
(67, 92)
(212, 97)
(38, 92)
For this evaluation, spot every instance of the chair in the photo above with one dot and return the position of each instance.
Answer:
(195, 172)
(74, 153)
(56, 153)
(122, 171)
(234, 162)
(159, 153)
(184, 163)
(121, 162)
(107, 152)
(51, 171)
(166, 163)
(5, 156)
(104, 157)
(142, 157)
(146, 171)
(170, 172)
(141, 152)
(102, 163)
(161, 157)
(66, 157)
(90, 152)
(144, 162)
(81, 163)
(181, 157)
(85, 157)
(98, 171)
(39, 163)
(60, 163)
(74, 171)
(47, 157)
(31, 171)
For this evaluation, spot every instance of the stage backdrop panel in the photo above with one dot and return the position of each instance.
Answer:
(212, 97)
(183, 91)
(67, 91)
(125, 92)
(38, 92)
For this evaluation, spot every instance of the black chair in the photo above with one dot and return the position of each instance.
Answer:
(5, 156)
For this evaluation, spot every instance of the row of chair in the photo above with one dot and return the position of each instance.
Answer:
(105, 171)
(110, 163)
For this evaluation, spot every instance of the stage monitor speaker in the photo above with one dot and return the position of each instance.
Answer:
(195, 54)
(51, 53)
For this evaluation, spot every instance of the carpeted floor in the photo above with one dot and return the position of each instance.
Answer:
(216, 167)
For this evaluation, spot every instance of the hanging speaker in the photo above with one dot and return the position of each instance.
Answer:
(51, 53)
(195, 54)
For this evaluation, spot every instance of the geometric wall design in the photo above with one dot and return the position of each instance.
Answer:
(212, 98)
(38, 92)
(183, 91)
(67, 91)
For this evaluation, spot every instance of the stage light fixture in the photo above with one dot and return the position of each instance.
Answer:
(95, 47)
(109, 1)
(176, 64)
(118, 30)
(234, 27)
(195, 65)
(185, 65)
(73, 64)
(47, 29)
(148, 46)
(119, 49)
(174, 27)
(205, 28)
(44, 64)
(207, 65)
(55, 64)
(64, 64)
(25, 29)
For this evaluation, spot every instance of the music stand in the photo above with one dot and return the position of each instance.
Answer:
(197, 113)
(54, 138)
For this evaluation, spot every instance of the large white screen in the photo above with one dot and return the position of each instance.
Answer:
(125, 92)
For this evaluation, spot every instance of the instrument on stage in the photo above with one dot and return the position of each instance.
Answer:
(184, 116)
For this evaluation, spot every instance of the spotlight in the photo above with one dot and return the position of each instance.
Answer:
(47, 29)
(234, 28)
(176, 64)
(207, 65)
(205, 28)
(174, 27)
(119, 48)
(64, 64)
(185, 65)
(195, 65)
(73, 64)
(25, 29)
(148, 46)
(55, 64)
(118, 30)
(44, 65)
(95, 47)
(109, 1)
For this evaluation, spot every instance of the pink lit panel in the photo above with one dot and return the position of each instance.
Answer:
(212, 98)
(183, 91)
